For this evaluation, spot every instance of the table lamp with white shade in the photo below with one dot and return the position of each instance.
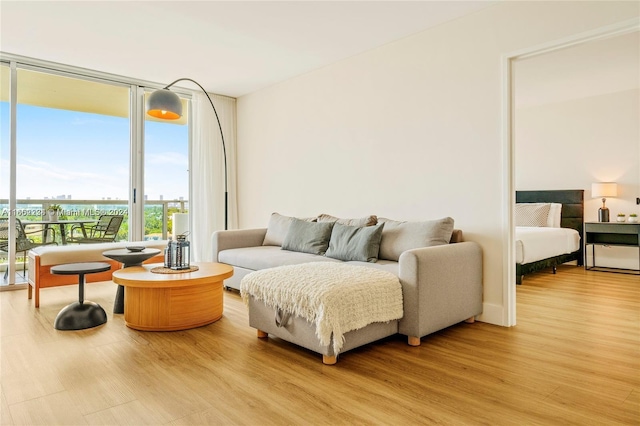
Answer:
(604, 189)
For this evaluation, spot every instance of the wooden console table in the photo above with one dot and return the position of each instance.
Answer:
(611, 234)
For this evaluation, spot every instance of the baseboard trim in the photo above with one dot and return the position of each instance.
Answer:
(10, 287)
(492, 314)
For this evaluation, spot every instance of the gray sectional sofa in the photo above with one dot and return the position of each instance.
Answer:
(440, 274)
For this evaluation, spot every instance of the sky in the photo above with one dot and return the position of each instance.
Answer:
(86, 155)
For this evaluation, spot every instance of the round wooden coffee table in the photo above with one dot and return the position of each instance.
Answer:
(128, 258)
(177, 301)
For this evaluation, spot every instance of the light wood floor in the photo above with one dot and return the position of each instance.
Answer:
(573, 359)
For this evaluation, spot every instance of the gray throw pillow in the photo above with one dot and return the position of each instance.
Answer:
(355, 242)
(363, 221)
(398, 237)
(278, 228)
(308, 237)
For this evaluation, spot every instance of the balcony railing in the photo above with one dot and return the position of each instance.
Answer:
(157, 215)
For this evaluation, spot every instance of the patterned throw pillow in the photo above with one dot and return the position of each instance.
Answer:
(532, 214)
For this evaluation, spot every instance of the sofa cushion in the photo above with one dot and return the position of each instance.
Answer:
(363, 221)
(398, 237)
(262, 257)
(385, 265)
(278, 228)
(56, 255)
(308, 237)
(355, 242)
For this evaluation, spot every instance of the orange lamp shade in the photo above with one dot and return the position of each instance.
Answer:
(165, 115)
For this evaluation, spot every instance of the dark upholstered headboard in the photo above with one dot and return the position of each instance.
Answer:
(572, 201)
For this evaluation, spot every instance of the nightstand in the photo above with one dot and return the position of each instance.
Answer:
(610, 234)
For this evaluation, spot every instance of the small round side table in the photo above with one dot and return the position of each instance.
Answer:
(127, 258)
(83, 313)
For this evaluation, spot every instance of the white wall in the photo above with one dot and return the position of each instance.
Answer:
(571, 144)
(411, 130)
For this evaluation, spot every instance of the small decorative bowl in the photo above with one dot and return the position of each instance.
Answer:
(136, 249)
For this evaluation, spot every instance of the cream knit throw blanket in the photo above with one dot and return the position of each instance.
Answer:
(336, 297)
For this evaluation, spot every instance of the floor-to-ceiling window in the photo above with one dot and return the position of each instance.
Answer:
(72, 148)
(166, 173)
(4, 133)
(75, 148)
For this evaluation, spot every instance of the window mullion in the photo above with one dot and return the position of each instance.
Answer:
(136, 198)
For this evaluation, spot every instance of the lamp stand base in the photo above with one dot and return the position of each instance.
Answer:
(603, 214)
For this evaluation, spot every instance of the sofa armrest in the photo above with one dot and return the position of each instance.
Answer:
(237, 238)
(441, 286)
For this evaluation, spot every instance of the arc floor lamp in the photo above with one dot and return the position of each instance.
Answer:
(166, 105)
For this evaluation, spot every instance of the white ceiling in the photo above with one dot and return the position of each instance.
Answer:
(231, 48)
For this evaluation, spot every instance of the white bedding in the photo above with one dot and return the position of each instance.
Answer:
(538, 243)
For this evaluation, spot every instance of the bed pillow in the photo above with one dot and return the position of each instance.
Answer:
(532, 214)
(360, 243)
(398, 237)
(363, 221)
(278, 228)
(555, 215)
(308, 237)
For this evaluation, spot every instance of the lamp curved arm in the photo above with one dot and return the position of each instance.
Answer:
(224, 147)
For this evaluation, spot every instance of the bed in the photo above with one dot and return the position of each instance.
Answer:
(543, 247)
